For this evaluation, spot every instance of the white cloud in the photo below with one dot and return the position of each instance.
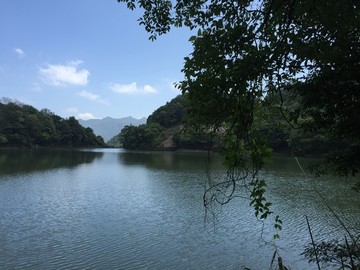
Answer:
(88, 95)
(149, 89)
(72, 110)
(124, 88)
(86, 116)
(93, 97)
(132, 88)
(63, 75)
(83, 116)
(20, 53)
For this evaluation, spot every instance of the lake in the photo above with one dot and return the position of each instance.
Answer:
(116, 209)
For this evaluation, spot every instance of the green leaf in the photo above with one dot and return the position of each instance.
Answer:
(192, 38)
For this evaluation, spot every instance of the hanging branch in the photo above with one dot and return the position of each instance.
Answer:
(313, 243)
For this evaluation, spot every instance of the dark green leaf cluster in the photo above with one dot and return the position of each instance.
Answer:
(24, 126)
(261, 206)
(282, 137)
(153, 9)
(344, 255)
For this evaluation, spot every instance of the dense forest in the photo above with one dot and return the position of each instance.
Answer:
(169, 128)
(158, 131)
(24, 126)
(166, 129)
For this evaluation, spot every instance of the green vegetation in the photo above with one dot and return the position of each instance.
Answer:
(171, 114)
(24, 126)
(170, 124)
(166, 129)
(248, 52)
(141, 137)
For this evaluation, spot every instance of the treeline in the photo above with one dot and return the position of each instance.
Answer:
(165, 129)
(22, 125)
(168, 128)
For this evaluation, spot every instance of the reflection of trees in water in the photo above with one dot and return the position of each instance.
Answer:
(27, 160)
(170, 160)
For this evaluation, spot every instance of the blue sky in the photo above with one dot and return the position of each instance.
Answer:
(86, 58)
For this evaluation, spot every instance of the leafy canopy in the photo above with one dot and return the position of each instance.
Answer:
(247, 50)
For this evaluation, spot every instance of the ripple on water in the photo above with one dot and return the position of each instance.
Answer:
(112, 215)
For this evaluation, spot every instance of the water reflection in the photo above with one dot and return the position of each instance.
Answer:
(202, 159)
(143, 210)
(171, 160)
(28, 160)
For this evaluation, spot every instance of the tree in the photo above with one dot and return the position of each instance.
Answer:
(170, 114)
(78, 133)
(23, 125)
(129, 137)
(141, 137)
(166, 128)
(248, 49)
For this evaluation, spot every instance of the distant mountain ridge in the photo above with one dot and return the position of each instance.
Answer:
(108, 127)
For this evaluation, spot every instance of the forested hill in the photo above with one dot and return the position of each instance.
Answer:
(166, 129)
(24, 126)
(158, 132)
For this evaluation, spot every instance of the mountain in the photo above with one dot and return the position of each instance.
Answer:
(109, 127)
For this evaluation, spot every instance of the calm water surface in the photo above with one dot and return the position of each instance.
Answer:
(112, 209)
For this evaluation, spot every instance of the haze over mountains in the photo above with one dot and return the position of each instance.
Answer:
(109, 127)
